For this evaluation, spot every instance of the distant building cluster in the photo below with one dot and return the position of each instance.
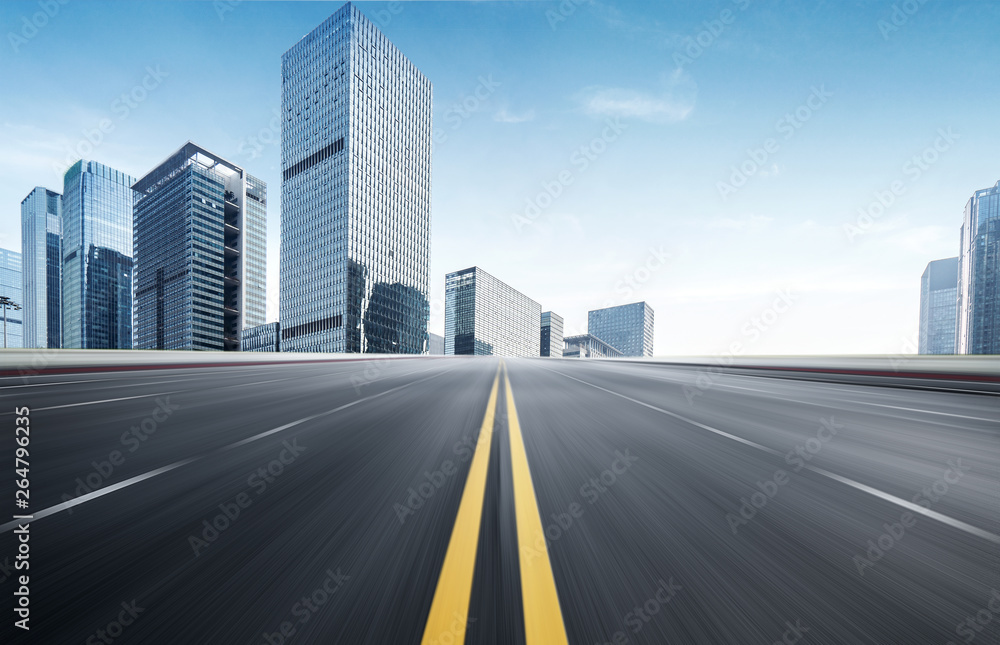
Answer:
(176, 259)
(960, 296)
(484, 316)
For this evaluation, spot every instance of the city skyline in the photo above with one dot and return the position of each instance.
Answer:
(858, 290)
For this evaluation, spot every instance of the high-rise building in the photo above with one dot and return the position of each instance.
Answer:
(589, 346)
(41, 251)
(939, 307)
(355, 192)
(484, 316)
(627, 328)
(979, 275)
(552, 334)
(200, 236)
(11, 320)
(96, 257)
(262, 338)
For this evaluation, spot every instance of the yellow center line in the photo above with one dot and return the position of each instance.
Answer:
(450, 607)
(543, 622)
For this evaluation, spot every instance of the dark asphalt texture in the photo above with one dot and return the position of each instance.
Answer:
(658, 552)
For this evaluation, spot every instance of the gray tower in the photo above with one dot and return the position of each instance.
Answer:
(96, 257)
(355, 192)
(939, 307)
(200, 225)
(41, 250)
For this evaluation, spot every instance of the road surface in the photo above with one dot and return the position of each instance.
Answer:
(405, 501)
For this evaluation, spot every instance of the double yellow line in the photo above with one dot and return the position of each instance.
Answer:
(543, 623)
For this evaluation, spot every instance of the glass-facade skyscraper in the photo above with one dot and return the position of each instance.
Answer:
(484, 316)
(200, 258)
(979, 275)
(96, 257)
(10, 286)
(355, 192)
(939, 307)
(627, 328)
(41, 251)
(552, 334)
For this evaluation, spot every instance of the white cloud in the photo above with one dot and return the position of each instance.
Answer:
(741, 223)
(674, 103)
(505, 116)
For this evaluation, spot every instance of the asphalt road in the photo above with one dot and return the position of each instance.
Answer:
(388, 501)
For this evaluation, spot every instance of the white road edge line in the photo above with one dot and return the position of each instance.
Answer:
(910, 506)
(52, 510)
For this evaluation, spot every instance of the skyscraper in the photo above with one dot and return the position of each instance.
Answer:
(939, 307)
(96, 257)
(552, 334)
(979, 275)
(41, 251)
(627, 328)
(484, 316)
(200, 227)
(12, 323)
(355, 192)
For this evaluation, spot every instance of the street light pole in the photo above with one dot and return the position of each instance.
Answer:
(6, 302)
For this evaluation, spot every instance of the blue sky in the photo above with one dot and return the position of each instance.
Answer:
(636, 116)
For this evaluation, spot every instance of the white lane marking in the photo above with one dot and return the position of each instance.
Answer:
(821, 404)
(96, 380)
(124, 398)
(916, 508)
(242, 442)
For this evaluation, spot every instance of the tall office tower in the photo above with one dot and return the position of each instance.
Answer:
(355, 192)
(200, 255)
(41, 250)
(552, 334)
(484, 316)
(979, 275)
(96, 257)
(939, 307)
(11, 321)
(627, 328)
